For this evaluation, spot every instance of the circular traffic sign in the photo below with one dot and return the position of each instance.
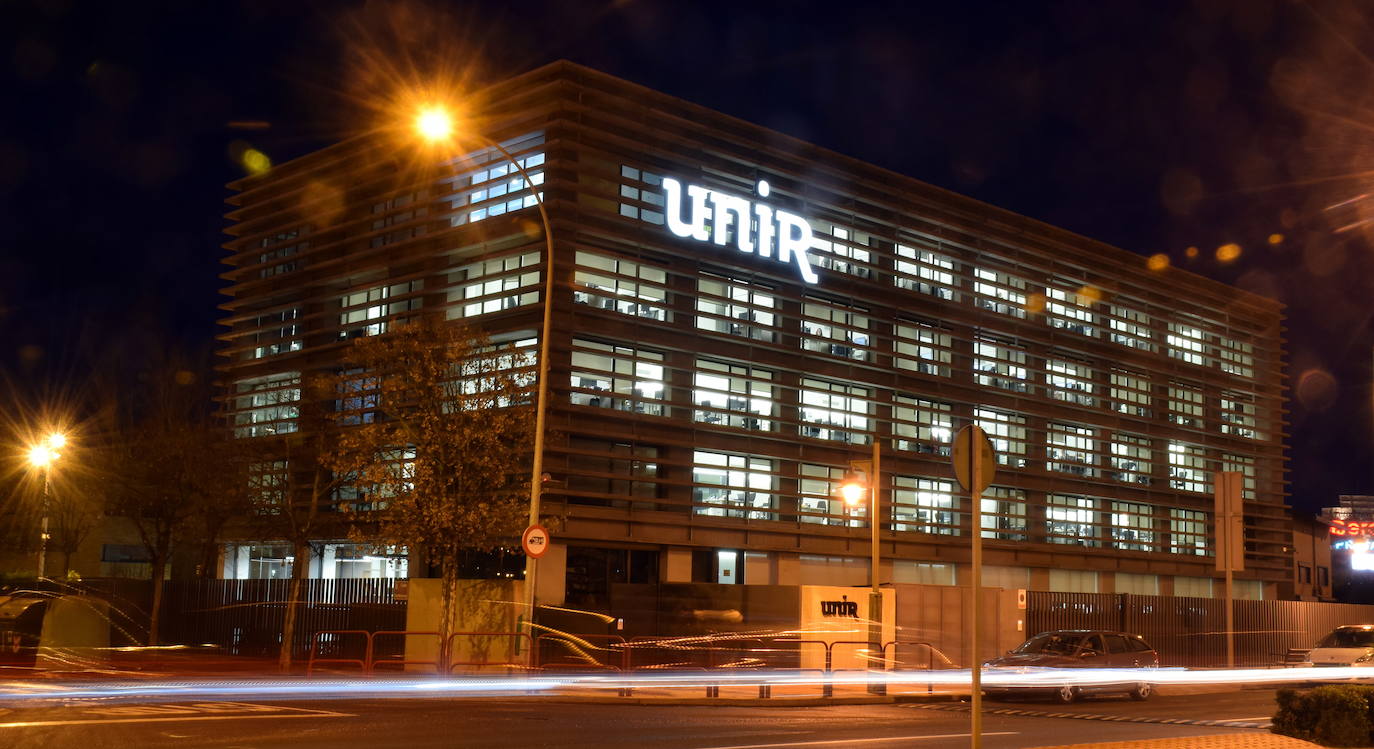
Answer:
(969, 439)
(535, 541)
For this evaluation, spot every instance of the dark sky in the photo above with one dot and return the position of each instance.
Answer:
(1152, 125)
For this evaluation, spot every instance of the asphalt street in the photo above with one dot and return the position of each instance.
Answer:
(507, 724)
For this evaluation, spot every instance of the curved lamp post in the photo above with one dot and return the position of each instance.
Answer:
(435, 124)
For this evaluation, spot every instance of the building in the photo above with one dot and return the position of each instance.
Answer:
(739, 314)
(1348, 528)
(1312, 556)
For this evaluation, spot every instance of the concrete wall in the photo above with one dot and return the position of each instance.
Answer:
(940, 615)
(478, 606)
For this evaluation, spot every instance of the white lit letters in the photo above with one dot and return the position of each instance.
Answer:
(711, 214)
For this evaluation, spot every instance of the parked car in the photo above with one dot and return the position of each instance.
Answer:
(1076, 648)
(1347, 645)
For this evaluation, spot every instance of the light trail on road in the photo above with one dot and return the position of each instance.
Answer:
(412, 686)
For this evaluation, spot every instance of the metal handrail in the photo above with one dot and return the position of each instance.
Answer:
(437, 662)
(365, 663)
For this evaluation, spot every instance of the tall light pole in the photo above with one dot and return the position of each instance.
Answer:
(42, 456)
(853, 492)
(434, 123)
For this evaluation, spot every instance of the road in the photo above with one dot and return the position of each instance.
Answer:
(508, 724)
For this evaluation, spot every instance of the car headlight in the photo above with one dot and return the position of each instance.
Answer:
(1366, 658)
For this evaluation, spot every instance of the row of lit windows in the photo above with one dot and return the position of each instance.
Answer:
(736, 307)
(746, 396)
(744, 486)
(920, 266)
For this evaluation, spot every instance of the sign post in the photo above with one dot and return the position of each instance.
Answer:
(975, 465)
(1228, 515)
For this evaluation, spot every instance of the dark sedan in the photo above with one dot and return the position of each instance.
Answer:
(1076, 649)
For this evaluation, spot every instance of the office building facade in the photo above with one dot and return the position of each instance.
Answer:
(738, 315)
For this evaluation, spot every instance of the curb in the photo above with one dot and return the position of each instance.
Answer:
(713, 701)
(963, 708)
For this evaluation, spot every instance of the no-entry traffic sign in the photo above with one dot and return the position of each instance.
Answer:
(535, 541)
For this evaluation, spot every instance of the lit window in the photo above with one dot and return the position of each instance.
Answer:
(1004, 513)
(1071, 311)
(927, 272)
(1008, 434)
(493, 285)
(368, 312)
(735, 307)
(921, 425)
(818, 500)
(1186, 405)
(1132, 526)
(267, 405)
(1187, 343)
(1130, 458)
(623, 286)
(1188, 532)
(924, 505)
(736, 486)
(1072, 520)
(1238, 415)
(1188, 468)
(922, 347)
(495, 187)
(1130, 393)
(835, 329)
(1069, 381)
(734, 395)
(641, 194)
(1000, 292)
(1235, 357)
(1071, 449)
(1000, 364)
(1130, 328)
(841, 249)
(835, 411)
(619, 377)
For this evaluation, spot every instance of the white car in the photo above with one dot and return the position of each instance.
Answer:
(1348, 645)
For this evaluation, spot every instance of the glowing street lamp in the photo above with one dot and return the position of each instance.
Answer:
(42, 456)
(434, 124)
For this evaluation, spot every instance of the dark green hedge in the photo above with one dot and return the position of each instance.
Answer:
(1330, 715)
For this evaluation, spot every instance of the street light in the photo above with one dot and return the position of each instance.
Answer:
(42, 456)
(434, 123)
(862, 480)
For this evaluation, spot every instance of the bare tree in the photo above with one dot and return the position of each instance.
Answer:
(293, 491)
(166, 459)
(436, 443)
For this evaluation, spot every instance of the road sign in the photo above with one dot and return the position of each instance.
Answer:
(970, 438)
(535, 541)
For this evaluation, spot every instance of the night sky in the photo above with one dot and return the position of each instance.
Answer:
(1155, 126)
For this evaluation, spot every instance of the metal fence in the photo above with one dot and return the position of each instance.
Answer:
(1192, 631)
(245, 616)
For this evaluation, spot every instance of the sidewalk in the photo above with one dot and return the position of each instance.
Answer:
(1237, 741)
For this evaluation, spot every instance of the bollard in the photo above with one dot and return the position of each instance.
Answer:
(828, 690)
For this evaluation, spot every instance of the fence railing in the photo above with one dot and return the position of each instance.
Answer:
(1192, 631)
(245, 617)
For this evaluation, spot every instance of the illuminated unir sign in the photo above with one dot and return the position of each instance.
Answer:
(779, 234)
